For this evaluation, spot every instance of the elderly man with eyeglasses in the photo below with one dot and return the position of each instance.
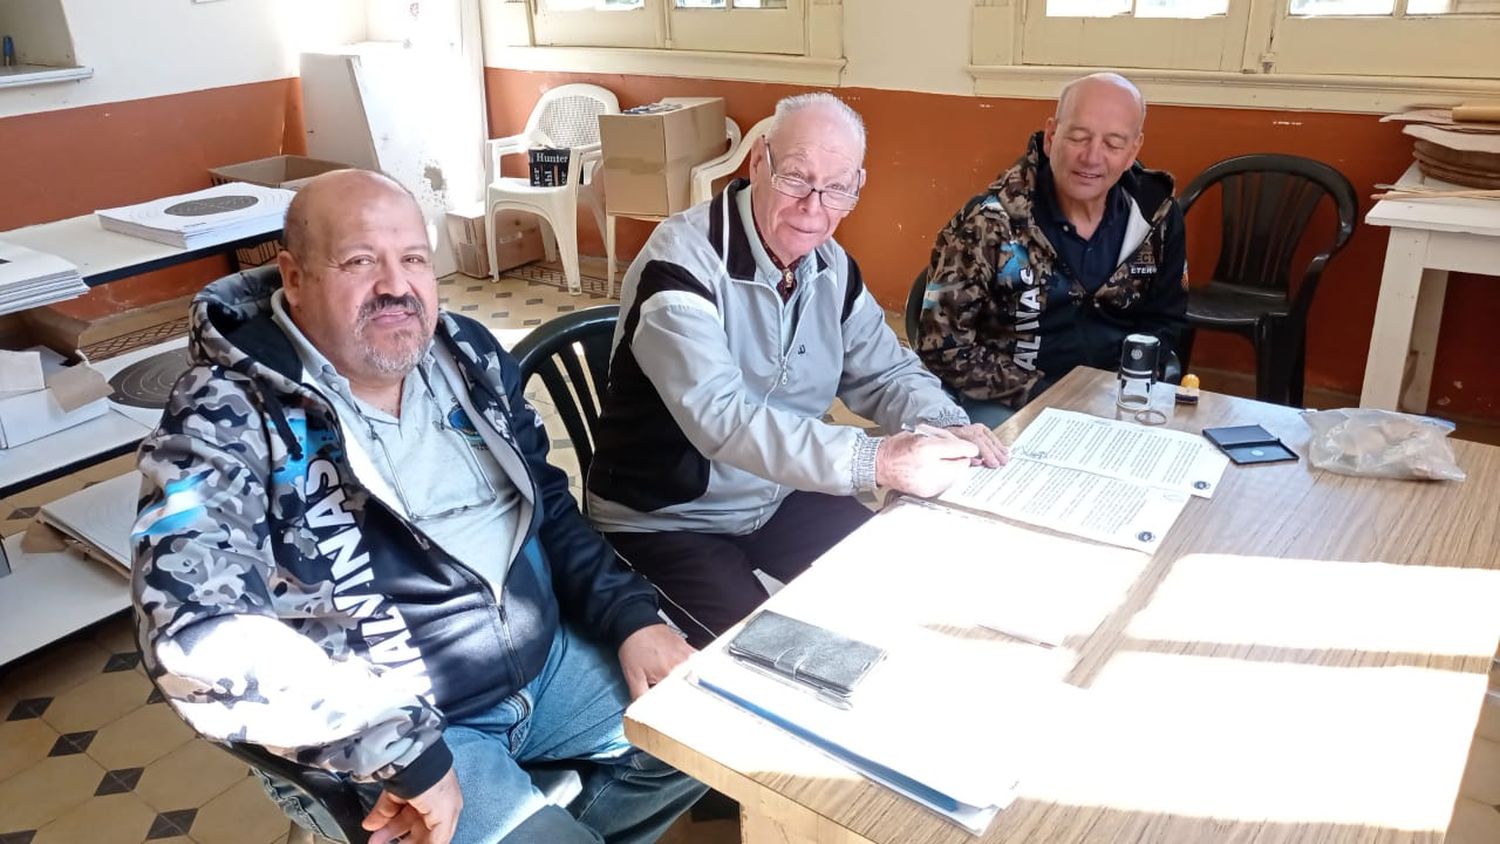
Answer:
(352, 551)
(741, 321)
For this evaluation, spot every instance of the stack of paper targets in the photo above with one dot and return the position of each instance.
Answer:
(1460, 145)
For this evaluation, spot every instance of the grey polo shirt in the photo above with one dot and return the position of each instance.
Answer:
(429, 464)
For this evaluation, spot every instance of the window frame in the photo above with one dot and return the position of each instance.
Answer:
(659, 24)
(1258, 43)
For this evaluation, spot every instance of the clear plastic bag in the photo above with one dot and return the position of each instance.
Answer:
(1381, 444)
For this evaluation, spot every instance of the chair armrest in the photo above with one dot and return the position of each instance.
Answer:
(582, 162)
(497, 148)
(703, 175)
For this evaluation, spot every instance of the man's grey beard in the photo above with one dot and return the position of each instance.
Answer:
(411, 345)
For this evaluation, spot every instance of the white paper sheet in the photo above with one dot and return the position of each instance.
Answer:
(971, 743)
(1160, 457)
(1110, 481)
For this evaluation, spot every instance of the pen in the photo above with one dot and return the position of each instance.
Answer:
(922, 429)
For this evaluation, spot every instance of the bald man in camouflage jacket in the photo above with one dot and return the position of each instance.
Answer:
(1067, 252)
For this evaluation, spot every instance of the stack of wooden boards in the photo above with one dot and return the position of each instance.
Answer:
(1460, 145)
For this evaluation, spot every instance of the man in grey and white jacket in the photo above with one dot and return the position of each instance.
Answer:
(741, 321)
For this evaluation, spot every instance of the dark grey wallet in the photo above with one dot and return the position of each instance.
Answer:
(805, 653)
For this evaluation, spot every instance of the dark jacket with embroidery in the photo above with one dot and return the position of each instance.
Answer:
(282, 603)
(982, 330)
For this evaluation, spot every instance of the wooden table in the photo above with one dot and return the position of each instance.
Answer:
(1306, 658)
(1429, 238)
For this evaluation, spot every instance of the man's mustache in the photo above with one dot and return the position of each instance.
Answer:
(386, 302)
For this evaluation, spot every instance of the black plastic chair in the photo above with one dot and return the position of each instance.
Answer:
(914, 307)
(1268, 201)
(338, 798)
(559, 341)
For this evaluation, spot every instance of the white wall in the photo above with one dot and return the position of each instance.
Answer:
(907, 46)
(148, 48)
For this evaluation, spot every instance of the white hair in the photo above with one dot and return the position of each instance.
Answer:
(827, 102)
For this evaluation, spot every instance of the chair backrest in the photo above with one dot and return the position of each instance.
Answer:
(1268, 200)
(571, 354)
(569, 114)
(914, 307)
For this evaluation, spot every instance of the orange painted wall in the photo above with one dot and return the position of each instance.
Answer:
(58, 164)
(930, 152)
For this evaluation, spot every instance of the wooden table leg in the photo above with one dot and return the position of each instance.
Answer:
(1424, 335)
(1395, 313)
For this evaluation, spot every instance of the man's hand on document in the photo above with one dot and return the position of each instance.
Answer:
(992, 452)
(922, 464)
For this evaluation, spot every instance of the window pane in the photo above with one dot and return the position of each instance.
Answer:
(724, 4)
(1180, 8)
(1087, 8)
(1453, 7)
(588, 5)
(1323, 8)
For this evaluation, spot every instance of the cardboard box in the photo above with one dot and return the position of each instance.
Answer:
(73, 392)
(649, 156)
(518, 240)
(278, 171)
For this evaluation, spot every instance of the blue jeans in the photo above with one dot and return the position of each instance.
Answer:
(573, 710)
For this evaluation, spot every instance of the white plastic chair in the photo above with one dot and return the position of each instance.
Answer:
(566, 116)
(732, 132)
(705, 174)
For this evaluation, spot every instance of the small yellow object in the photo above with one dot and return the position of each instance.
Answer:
(1187, 391)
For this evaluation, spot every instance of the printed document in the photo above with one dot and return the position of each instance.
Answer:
(1102, 479)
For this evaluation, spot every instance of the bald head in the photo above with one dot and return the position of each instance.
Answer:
(357, 276)
(1104, 87)
(318, 205)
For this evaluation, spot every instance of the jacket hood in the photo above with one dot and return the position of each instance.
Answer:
(230, 326)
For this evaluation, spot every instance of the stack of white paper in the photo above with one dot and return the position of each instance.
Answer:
(30, 279)
(100, 517)
(941, 734)
(220, 214)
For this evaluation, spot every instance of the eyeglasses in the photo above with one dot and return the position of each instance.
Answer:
(832, 199)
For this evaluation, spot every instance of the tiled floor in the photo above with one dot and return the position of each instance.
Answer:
(89, 753)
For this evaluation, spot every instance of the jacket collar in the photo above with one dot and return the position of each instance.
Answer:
(730, 237)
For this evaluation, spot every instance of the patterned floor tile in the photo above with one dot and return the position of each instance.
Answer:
(23, 744)
(95, 703)
(241, 815)
(177, 822)
(122, 662)
(119, 818)
(140, 738)
(31, 707)
(119, 781)
(68, 744)
(46, 791)
(191, 775)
